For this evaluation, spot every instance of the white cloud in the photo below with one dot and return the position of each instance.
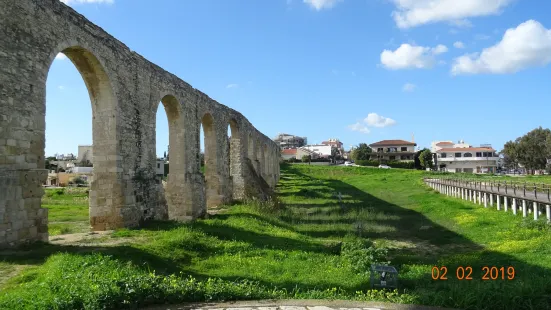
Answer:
(481, 37)
(232, 86)
(376, 120)
(461, 23)
(359, 127)
(409, 87)
(69, 2)
(60, 56)
(439, 49)
(412, 13)
(321, 4)
(528, 45)
(411, 56)
(459, 44)
(61, 87)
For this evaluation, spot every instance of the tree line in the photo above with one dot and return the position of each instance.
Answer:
(532, 151)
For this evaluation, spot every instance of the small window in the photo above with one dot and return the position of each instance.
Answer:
(478, 154)
(404, 148)
(379, 149)
(457, 154)
(404, 157)
(158, 166)
(467, 155)
(443, 155)
(392, 157)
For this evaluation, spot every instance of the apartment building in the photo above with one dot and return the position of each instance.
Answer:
(462, 157)
(393, 150)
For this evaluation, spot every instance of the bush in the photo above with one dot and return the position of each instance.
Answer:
(361, 254)
(393, 164)
(400, 164)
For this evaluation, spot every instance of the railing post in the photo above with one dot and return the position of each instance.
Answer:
(524, 189)
(535, 190)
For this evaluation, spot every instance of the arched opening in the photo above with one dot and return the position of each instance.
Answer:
(75, 144)
(167, 134)
(208, 160)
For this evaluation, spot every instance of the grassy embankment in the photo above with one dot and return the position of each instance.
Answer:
(309, 246)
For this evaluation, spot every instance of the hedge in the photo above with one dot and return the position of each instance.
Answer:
(393, 164)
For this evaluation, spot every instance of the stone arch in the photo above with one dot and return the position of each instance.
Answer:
(103, 208)
(176, 140)
(211, 160)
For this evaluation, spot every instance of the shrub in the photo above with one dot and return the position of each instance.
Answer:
(361, 254)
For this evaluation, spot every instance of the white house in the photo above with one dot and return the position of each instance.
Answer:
(393, 150)
(462, 157)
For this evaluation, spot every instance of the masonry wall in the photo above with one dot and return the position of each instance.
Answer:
(125, 91)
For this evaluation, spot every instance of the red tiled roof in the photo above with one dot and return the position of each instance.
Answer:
(443, 143)
(392, 142)
(289, 152)
(465, 149)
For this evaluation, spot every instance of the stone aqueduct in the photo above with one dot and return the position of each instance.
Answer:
(125, 90)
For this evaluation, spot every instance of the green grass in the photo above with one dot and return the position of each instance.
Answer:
(67, 210)
(307, 246)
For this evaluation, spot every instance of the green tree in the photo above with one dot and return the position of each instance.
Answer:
(511, 154)
(533, 149)
(362, 152)
(416, 161)
(335, 154)
(306, 158)
(425, 159)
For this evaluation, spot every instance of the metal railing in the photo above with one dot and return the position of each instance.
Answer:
(540, 191)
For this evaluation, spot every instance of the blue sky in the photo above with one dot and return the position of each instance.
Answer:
(360, 71)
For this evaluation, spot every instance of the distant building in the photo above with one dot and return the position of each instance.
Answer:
(303, 151)
(462, 157)
(85, 154)
(287, 154)
(287, 141)
(393, 150)
(321, 149)
(65, 157)
(160, 167)
(335, 143)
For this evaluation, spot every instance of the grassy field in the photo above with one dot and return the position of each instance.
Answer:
(67, 210)
(307, 245)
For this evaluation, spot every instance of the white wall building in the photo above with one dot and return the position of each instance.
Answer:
(462, 157)
(85, 153)
(160, 167)
(322, 149)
